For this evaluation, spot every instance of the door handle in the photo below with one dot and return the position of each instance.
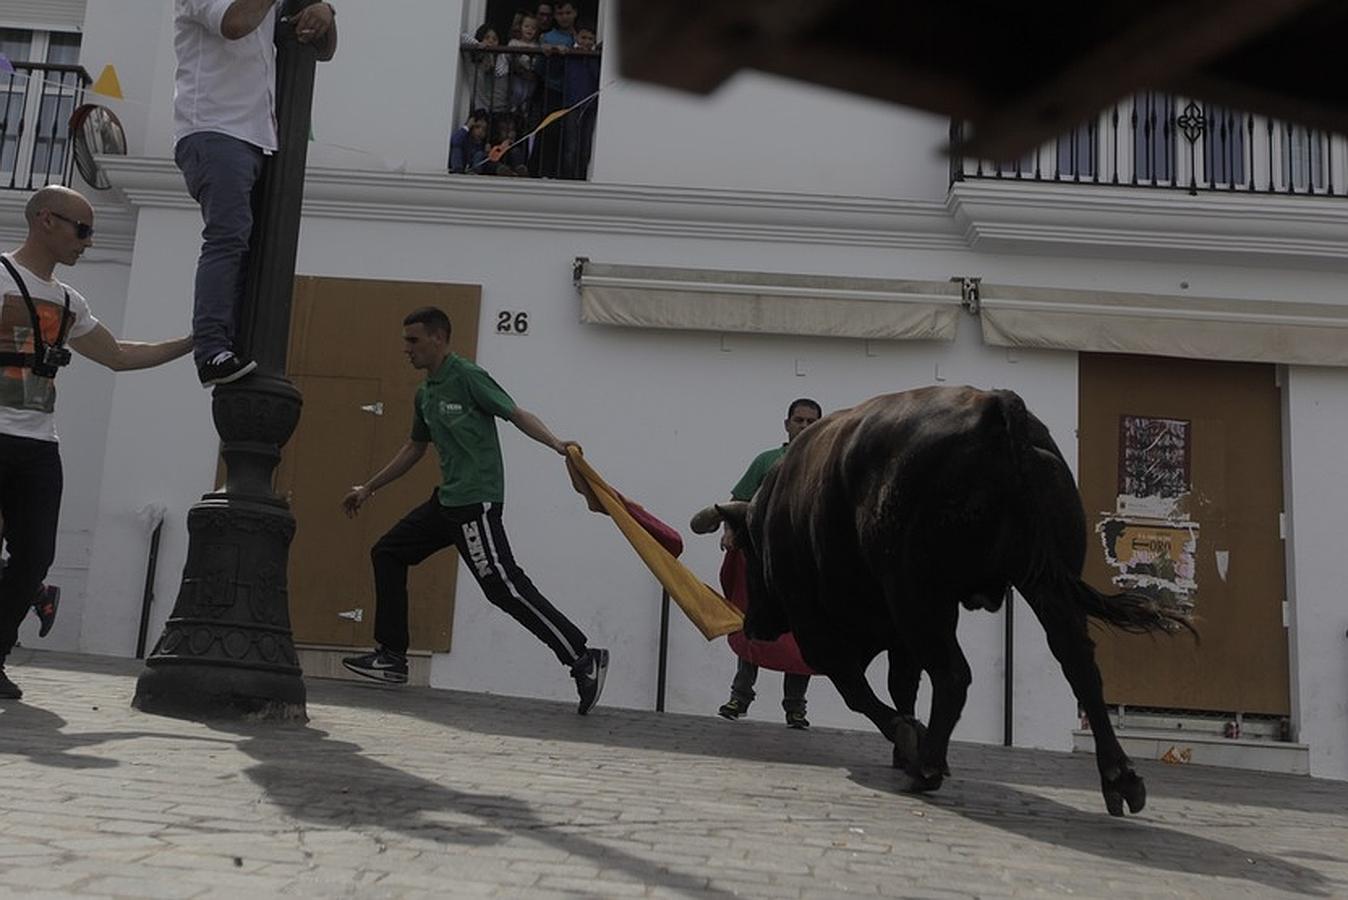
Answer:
(376, 408)
(355, 615)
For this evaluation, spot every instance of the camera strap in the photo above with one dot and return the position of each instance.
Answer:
(27, 360)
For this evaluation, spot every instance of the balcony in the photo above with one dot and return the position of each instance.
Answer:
(518, 88)
(1164, 177)
(1162, 141)
(35, 138)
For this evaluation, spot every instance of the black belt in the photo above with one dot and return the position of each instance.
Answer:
(22, 360)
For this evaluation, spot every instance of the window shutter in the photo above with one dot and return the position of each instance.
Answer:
(48, 15)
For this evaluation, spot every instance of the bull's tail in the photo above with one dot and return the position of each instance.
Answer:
(1133, 612)
(1045, 573)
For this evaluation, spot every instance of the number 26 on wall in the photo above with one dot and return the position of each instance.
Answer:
(508, 322)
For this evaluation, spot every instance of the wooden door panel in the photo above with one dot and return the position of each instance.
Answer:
(1229, 508)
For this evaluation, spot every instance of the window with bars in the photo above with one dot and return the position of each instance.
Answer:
(36, 104)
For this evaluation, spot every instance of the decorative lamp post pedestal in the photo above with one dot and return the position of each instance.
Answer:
(227, 650)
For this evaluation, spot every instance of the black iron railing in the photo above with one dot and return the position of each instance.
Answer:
(517, 88)
(1163, 141)
(36, 101)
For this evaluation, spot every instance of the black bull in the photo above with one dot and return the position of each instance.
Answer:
(881, 520)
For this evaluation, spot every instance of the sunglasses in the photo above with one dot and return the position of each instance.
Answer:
(83, 230)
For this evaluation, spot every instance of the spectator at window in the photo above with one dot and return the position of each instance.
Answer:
(491, 73)
(467, 146)
(555, 43)
(579, 81)
(543, 13)
(514, 161)
(523, 78)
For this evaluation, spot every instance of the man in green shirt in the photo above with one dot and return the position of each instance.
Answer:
(801, 414)
(456, 409)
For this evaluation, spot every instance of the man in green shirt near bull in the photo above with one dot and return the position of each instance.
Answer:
(456, 409)
(801, 414)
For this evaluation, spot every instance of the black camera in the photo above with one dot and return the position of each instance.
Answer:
(49, 361)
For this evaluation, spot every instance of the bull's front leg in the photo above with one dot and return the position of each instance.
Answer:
(857, 694)
(950, 675)
(904, 675)
(1071, 645)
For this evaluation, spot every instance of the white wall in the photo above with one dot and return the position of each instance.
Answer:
(1317, 401)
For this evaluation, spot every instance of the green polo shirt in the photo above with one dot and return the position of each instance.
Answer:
(456, 409)
(758, 470)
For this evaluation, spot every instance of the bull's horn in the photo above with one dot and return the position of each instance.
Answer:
(706, 521)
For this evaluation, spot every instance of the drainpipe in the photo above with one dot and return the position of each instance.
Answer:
(1008, 655)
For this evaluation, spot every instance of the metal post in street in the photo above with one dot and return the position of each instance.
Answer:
(227, 650)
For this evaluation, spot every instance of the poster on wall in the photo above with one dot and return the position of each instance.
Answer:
(1153, 456)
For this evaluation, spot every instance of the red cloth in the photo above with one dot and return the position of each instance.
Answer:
(780, 655)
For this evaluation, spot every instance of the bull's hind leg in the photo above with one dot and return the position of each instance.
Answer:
(1065, 628)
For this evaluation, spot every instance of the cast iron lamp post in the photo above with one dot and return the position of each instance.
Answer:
(227, 650)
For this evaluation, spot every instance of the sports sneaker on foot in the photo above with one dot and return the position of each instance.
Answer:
(381, 665)
(223, 368)
(48, 599)
(795, 718)
(8, 689)
(589, 672)
(733, 708)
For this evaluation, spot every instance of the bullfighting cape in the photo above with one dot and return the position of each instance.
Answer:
(659, 545)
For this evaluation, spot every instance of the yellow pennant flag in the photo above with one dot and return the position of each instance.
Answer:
(107, 84)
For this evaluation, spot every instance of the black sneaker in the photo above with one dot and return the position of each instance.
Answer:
(381, 665)
(8, 689)
(223, 368)
(733, 708)
(48, 599)
(589, 672)
(795, 718)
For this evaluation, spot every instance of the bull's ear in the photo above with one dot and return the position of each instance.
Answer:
(706, 521)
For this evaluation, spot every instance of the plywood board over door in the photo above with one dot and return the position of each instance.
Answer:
(346, 358)
(1181, 475)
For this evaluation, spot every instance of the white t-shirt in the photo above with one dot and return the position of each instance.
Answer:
(27, 400)
(221, 85)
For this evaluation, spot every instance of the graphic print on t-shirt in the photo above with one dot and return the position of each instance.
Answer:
(19, 387)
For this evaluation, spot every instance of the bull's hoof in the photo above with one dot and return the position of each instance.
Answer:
(920, 781)
(908, 736)
(1126, 787)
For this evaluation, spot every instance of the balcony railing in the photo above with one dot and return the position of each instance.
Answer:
(518, 87)
(35, 139)
(1162, 141)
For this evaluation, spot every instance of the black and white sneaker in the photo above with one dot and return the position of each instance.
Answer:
(381, 665)
(223, 368)
(589, 672)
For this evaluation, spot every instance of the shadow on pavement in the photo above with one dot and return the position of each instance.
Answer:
(40, 736)
(332, 783)
(1131, 840)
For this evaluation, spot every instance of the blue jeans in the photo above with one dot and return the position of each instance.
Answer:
(220, 172)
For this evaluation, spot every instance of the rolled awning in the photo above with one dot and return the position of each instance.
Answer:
(1159, 325)
(764, 303)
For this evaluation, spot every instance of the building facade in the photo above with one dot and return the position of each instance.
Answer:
(721, 257)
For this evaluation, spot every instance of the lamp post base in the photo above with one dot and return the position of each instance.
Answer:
(201, 691)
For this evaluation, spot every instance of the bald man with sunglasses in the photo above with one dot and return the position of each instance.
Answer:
(40, 317)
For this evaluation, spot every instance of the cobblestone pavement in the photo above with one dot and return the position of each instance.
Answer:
(421, 793)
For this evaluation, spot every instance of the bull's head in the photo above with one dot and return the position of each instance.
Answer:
(764, 619)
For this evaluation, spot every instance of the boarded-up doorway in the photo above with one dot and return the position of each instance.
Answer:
(346, 357)
(1181, 474)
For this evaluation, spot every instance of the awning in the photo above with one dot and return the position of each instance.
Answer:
(763, 303)
(1158, 325)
